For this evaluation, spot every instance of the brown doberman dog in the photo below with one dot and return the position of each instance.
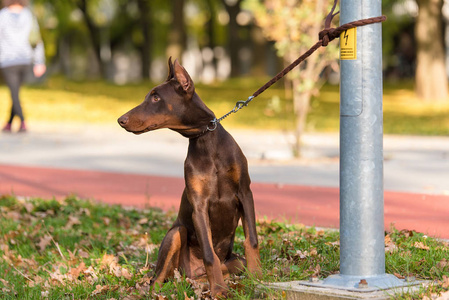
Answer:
(217, 192)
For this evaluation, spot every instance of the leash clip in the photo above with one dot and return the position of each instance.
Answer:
(240, 104)
(214, 123)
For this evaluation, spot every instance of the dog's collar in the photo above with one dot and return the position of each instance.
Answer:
(213, 124)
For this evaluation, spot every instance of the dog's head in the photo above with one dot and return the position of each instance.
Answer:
(172, 104)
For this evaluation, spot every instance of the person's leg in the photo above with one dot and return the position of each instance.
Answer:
(14, 77)
(22, 75)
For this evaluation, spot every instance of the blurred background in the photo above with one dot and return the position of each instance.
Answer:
(103, 56)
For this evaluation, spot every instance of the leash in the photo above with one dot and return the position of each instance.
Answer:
(325, 36)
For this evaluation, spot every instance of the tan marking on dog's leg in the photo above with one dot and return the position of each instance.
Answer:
(170, 261)
(251, 253)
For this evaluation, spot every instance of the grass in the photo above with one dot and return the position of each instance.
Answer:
(79, 249)
(98, 102)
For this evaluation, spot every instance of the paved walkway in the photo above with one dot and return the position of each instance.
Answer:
(110, 165)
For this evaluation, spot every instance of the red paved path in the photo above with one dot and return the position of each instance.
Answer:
(301, 204)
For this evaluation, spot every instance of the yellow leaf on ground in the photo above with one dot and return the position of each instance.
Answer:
(109, 259)
(75, 272)
(99, 289)
(420, 245)
(126, 274)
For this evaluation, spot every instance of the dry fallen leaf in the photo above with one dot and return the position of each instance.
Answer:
(13, 215)
(390, 246)
(187, 297)
(334, 244)
(445, 282)
(75, 272)
(132, 297)
(5, 283)
(99, 289)
(126, 274)
(444, 296)
(197, 286)
(177, 276)
(29, 207)
(142, 242)
(92, 275)
(143, 221)
(106, 221)
(443, 263)
(85, 211)
(83, 253)
(57, 277)
(420, 245)
(108, 259)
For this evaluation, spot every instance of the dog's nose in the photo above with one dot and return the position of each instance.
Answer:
(123, 120)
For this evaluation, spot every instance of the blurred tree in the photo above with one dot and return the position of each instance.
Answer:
(398, 44)
(145, 21)
(210, 28)
(177, 39)
(234, 42)
(431, 78)
(94, 34)
(294, 26)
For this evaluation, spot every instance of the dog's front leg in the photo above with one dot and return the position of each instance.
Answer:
(210, 258)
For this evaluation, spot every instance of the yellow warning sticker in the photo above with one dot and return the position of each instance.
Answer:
(348, 44)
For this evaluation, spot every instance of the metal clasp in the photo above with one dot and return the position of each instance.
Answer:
(214, 123)
(240, 104)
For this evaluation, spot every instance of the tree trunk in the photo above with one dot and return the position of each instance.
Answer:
(177, 37)
(145, 48)
(233, 36)
(210, 29)
(301, 101)
(431, 79)
(95, 36)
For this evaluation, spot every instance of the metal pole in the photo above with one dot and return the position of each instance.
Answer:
(362, 253)
(361, 148)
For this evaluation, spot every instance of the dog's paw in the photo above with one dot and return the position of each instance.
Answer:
(219, 292)
(255, 268)
(256, 272)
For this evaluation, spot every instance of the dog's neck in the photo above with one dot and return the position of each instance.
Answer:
(197, 120)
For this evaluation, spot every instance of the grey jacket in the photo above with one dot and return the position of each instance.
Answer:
(15, 48)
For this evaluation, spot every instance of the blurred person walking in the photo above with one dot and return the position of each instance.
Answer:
(20, 47)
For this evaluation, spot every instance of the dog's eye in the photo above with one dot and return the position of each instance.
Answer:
(156, 98)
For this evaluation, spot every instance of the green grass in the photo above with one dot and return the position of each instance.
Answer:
(79, 249)
(98, 102)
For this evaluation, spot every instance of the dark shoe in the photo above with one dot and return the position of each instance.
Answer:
(7, 128)
(23, 127)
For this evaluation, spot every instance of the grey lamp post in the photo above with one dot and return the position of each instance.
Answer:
(362, 250)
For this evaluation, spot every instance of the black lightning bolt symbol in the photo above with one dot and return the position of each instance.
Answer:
(346, 36)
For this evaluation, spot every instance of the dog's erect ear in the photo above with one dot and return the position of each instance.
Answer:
(171, 71)
(183, 78)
